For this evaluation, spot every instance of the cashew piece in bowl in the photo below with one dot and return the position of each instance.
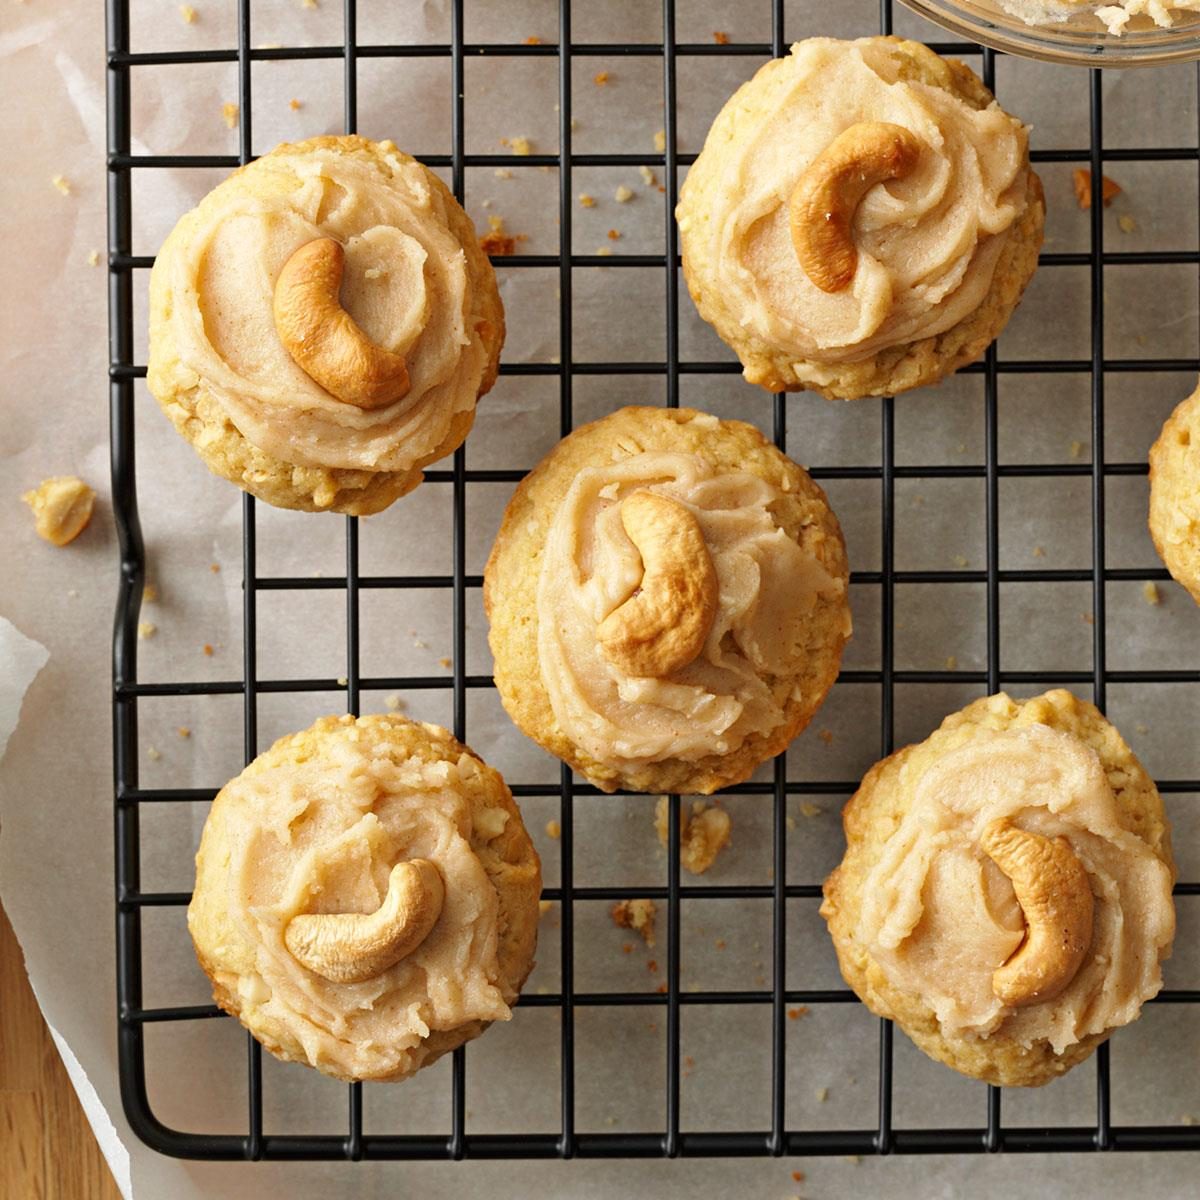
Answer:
(1054, 893)
(823, 203)
(663, 626)
(323, 339)
(353, 947)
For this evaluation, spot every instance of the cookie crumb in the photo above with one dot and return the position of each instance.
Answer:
(1141, 728)
(150, 594)
(638, 915)
(188, 13)
(614, 235)
(826, 735)
(152, 754)
(503, 173)
(1126, 223)
(533, 40)
(720, 37)
(587, 201)
(600, 79)
(794, 1014)
(522, 147)
(1189, 1119)
(184, 731)
(809, 809)
(393, 703)
(790, 822)
(951, 662)
(62, 508)
(797, 1176)
(660, 140)
(719, 943)
(648, 176)
(853, 1159)
(215, 568)
(308, 4)
(208, 650)
(822, 1095)
(702, 836)
(93, 258)
(544, 906)
(1088, 618)
(623, 194)
(343, 681)
(1150, 593)
(553, 830)
(1082, 179)
(960, 561)
(497, 241)
(295, 105)
(1039, 552)
(652, 966)
(146, 630)
(230, 111)
(62, 184)
(1075, 449)
(604, 252)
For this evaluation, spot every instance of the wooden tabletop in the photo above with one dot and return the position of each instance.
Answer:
(47, 1149)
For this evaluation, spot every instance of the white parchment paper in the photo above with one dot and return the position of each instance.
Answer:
(55, 780)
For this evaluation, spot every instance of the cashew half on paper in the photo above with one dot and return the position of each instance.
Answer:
(823, 203)
(1054, 893)
(324, 340)
(354, 947)
(663, 626)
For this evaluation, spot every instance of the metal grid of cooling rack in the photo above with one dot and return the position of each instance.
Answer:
(350, 1142)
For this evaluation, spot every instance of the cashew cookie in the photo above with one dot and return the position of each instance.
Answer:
(1005, 896)
(366, 897)
(1175, 494)
(862, 219)
(322, 325)
(667, 600)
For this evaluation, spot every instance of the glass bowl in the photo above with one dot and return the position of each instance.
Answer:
(1082, 40)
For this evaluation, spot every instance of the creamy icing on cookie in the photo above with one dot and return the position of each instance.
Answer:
(927, 245)
(320, 834)
(406, 284)
(939, 916)
(1116, 15)
(738, 685)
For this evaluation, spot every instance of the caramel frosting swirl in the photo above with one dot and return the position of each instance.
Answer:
(320, 833)
(738, 684)
(939, 916)
(407, 285)
(928, 244)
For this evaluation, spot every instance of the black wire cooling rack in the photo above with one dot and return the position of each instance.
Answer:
(990, 1134)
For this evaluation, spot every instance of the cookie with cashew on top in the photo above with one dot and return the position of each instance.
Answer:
(1005, 896)
(322, 325)
(366, 897)
(862, 219)
(667, 599)
(1175, 494)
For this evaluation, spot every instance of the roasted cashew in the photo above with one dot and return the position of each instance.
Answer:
(323, 339)
(353, 947)
(1055, 896)
(823, 203)
(663, 626)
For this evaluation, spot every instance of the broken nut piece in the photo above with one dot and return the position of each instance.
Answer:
(1052, 888)
(62, 507)
(823, 203)
(663, 626)
(325, 342)
(354, 947)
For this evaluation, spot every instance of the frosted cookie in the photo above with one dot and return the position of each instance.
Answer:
(1115, 14)
(366, 897)
(862, 219)
(667, 601)
(1175, 494)
(1006, 891)
(322, 324)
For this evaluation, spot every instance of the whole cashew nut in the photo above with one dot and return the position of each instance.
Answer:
(663, 626)
(353, 947)
(1053, 891)
(823, 203)
(324, 340)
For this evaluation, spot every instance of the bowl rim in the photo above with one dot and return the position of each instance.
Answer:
(1077, 48)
